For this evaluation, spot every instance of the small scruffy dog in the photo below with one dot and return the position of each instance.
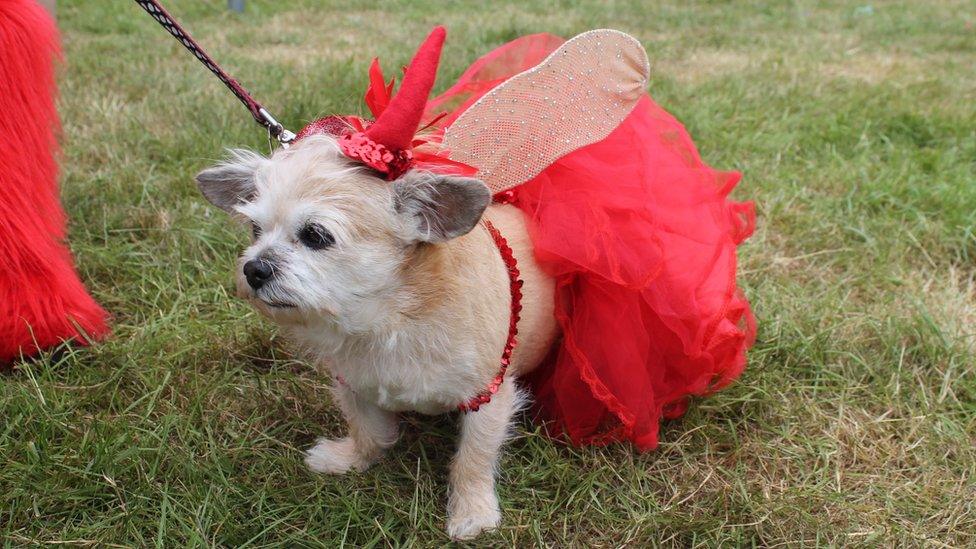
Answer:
(396, 279)
(395, 291)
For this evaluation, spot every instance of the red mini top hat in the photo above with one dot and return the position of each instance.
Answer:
(388, 144)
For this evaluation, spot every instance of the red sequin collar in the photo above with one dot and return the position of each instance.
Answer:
(515, 284)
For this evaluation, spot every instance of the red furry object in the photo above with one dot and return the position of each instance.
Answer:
(42, 301)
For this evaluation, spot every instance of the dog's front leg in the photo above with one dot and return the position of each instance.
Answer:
(472, 505)
(371, 431)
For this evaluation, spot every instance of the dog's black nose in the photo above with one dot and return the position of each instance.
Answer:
(257, 272)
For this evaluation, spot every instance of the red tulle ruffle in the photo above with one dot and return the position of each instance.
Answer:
(641, 237)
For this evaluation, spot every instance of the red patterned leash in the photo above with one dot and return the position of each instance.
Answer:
(260, 114)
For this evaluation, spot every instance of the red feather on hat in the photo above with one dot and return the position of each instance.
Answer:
(398, 123)
(387, 145)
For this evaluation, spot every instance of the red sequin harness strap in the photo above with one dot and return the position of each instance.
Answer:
(515, 284)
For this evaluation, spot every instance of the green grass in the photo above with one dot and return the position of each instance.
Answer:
(855, 423)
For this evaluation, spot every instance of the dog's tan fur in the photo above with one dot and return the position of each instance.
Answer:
(406, 321)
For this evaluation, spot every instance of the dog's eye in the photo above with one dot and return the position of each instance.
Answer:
(255, 230)
(316, 237)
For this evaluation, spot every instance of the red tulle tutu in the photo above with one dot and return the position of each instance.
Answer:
(641, 239)
(42, 301)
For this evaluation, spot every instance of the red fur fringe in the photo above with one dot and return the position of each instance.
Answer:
(42, 301)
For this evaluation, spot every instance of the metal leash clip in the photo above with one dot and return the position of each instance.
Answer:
(276, 130)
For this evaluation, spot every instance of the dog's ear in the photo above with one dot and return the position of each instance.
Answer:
(231, 182)
(436, 208)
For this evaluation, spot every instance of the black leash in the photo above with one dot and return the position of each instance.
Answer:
(260, 114)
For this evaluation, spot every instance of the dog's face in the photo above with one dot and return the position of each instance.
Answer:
(329, 237)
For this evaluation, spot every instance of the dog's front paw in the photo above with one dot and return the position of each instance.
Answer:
(336, 456)
(467, 520)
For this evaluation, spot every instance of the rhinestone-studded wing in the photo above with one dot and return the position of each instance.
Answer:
(576, 97)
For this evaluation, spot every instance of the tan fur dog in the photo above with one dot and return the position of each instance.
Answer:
(395, 291)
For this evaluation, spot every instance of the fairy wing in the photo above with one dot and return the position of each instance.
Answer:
(575, 97)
